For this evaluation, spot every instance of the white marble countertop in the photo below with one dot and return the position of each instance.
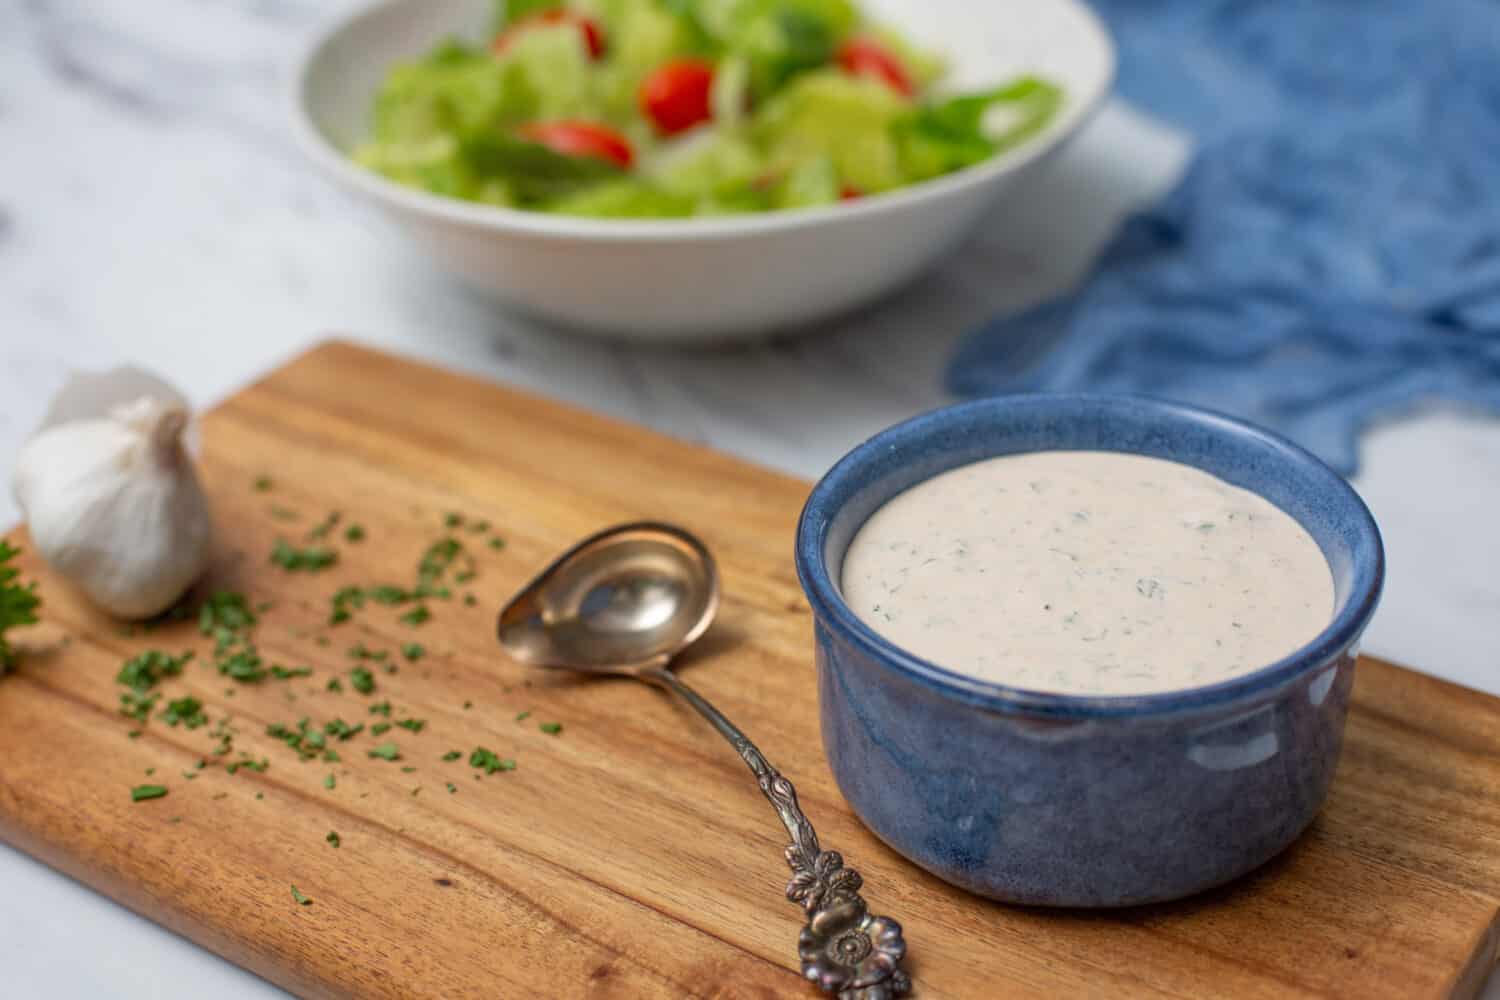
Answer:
(152, 209)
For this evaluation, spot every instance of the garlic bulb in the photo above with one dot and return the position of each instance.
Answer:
(110, 496)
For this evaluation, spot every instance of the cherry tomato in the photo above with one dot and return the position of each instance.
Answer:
(867, 57)
(581, 139)
(676, 96)
(592, 36)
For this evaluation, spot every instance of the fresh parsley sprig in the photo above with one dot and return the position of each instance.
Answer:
(18, 602)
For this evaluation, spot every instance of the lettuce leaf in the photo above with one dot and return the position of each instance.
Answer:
(530, 171)
(948, 135)
(511, 11)
(813, 182)
(850, 120)
(627, 198)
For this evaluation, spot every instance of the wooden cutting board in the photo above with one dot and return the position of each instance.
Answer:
(629, 855)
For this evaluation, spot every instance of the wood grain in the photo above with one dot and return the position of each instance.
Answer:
(630, 855)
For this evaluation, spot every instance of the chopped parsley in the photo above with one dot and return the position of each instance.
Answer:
(330, 782)
(415, 725)
(470, 600)
(227, 610)
(300, 899)
(434, 565)
(306, 740)
(381, 708)
(249, 763)
(389, 595)
(143, 793)
(263, 484)
(333, 838)
(346, 600)
(18, 602)
(379, 728)
(354, 534)
(362, 680)
(244, 665)
(224, 733)
(291, 737)
(452, 519)
(453, 755)
(138, 706)
(359, 651)
(439, 558)
(451, 787)
(336, 685)
(386, 751)
(186, 711)
(551, 728)
(341, 730)
(490, 762)
(523, 716)
(285, 674)
(294, 560)
(497, 543)
(331, 755)
(479, 527)
(227, 617)
(141, 673)
(323, 527)
(413, 651)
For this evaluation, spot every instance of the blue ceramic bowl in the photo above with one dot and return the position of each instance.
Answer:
(1067, 800)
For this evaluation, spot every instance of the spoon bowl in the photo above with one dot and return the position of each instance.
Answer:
(627, 598)
(625, 601)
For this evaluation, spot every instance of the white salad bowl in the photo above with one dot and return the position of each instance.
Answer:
(715, 278)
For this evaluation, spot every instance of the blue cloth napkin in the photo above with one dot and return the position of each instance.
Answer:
(1332, 254)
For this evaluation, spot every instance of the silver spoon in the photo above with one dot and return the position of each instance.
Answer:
(625, 601)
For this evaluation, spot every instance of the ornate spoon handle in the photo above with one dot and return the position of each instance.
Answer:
(844, 949)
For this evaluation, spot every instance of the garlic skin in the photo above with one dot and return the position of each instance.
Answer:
(111, 500)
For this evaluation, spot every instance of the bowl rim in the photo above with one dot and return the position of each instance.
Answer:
(1074, 114)
(830, 609)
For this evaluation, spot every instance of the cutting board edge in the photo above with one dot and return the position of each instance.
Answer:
(142, 903)
(334, 345)
(1484, 959)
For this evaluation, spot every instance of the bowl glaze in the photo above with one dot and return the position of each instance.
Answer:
(1071, 800)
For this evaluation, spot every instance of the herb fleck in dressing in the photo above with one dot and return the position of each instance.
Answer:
(1088, 573)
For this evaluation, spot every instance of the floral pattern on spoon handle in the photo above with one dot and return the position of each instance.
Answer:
(844, 949)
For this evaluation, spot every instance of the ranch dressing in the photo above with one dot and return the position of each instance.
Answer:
(1088, 573)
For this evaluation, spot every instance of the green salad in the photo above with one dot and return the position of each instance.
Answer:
(672, 108)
